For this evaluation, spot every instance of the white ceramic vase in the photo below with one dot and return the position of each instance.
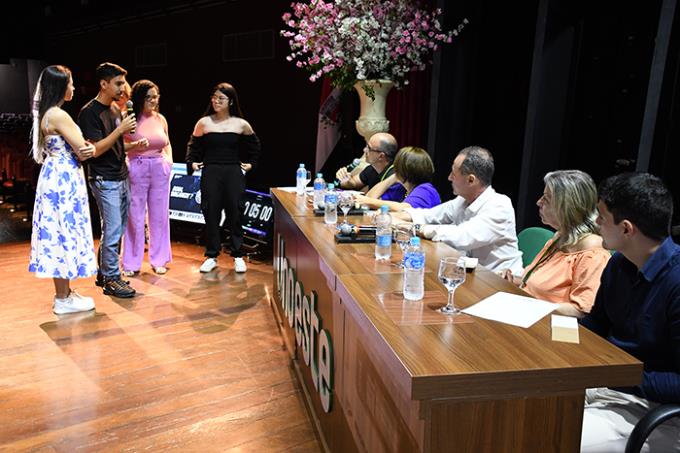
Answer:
(372, 115)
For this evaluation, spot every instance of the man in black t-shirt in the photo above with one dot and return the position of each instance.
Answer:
(103, 125)
(380, 152)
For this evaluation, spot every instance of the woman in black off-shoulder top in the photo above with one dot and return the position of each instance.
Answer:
(220, 139)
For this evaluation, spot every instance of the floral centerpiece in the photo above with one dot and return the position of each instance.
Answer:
(359, 40)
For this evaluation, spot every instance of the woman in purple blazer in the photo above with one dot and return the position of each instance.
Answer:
(413, 168)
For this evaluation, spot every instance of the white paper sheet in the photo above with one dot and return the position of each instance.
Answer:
(308, 190)
(512, 309)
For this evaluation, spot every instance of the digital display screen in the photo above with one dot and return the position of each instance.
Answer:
(185, 195)
(258, 213)
(185, 203)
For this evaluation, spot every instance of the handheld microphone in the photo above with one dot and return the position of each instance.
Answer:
(130, 111)
(355, 163)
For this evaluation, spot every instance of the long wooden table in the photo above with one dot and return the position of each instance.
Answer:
(383, 375)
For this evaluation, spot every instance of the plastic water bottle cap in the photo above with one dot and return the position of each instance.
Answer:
(415, 240)
(302, 165)
(319, 175)
(330, 186)
(384, 208)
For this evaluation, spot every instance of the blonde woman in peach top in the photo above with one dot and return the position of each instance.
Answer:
(567, 270)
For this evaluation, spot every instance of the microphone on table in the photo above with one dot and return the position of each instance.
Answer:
(130, 111)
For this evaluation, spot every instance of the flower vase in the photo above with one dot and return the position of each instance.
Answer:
(372, 115)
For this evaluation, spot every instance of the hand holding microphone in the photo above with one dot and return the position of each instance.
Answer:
(129, 123)
(131, 112)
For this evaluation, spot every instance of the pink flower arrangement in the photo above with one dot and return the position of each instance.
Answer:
(356, 40)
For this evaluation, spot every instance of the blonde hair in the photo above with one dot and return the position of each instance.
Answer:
(574, 202)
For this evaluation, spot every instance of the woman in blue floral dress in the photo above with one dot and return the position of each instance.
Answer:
(61, 241)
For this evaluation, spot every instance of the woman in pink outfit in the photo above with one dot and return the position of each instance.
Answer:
(149, 164)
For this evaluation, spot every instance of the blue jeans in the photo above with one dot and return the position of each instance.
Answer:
(113, 201)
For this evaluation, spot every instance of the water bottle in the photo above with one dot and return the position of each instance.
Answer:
(319, 190)
(414, 270)
(383, 234)
(300, 176)
(330, 208)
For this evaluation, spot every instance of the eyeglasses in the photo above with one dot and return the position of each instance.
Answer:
(219, 98)
(368, 148)
(152, 97)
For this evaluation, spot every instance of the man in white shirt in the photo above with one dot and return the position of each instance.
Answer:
(479, 220)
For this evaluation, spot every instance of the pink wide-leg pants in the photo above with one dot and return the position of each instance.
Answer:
(149, 187)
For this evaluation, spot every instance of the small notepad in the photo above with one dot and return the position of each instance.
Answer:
(565, 329)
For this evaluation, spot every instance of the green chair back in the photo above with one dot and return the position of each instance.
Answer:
(531, 240)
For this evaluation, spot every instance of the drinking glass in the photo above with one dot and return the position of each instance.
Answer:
(345, 202)
(402, 238)
(308, 177)
(452, 275)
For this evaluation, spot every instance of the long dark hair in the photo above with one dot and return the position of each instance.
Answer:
(138, 96)
(49, 92)
(228, 90)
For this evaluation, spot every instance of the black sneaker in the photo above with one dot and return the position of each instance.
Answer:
(101, 281)
(118, 288)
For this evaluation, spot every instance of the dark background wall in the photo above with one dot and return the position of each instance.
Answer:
(276, 98)
(544, 84)
(557, 84)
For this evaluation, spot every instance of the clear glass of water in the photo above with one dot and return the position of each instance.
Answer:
(452, 275)
(308, 177)
(402, 238)
(345, 202)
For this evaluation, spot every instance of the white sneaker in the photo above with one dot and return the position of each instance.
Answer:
(208, 265)
(240, 265)
(72, 304)
(85, 300)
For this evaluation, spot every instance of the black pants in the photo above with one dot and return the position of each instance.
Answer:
(222, 187)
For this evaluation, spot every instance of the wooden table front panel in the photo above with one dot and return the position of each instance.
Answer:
(519, 425)
(306, 261)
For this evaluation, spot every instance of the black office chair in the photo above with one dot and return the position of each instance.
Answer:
(646, 425)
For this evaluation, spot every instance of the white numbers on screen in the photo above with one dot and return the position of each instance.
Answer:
(256, 210)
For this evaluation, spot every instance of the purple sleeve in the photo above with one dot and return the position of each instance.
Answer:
(396, 192)
(423, 196)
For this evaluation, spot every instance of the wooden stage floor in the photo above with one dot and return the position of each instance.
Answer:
(193, 363)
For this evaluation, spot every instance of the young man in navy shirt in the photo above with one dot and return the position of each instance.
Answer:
(637, 308)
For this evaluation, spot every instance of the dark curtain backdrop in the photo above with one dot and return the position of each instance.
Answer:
(408, 110)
